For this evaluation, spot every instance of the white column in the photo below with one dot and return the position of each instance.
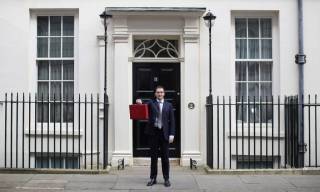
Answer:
(122, 93)
(190, 69)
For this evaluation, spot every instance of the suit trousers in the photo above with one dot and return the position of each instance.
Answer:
(157, 140)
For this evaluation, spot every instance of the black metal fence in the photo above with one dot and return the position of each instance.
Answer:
(41, 131)
(260, 132)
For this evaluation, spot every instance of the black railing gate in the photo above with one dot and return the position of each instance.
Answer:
(291, 131)
(209, 131)
(261, 132)
(42, 131)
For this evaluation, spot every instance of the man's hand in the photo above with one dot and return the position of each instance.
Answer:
(138, 101)
(171, 137)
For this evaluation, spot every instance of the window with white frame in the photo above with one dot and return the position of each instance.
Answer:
(70, 162)
(253, 66)
(55, 67)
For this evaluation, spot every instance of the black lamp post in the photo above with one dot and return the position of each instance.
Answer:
(209, 21)
(105, 18)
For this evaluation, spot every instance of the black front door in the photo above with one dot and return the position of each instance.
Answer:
(146, 76)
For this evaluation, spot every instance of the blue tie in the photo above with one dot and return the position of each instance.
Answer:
(159, 115)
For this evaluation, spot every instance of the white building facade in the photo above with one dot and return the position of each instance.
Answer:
(57, 47)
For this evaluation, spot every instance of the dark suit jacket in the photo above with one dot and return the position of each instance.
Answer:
(168, 121)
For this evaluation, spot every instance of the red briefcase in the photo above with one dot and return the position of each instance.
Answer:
(139, 111)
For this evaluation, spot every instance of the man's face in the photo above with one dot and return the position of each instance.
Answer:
(159, 93)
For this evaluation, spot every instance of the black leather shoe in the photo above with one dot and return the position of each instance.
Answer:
(152, 182)
(167, 183)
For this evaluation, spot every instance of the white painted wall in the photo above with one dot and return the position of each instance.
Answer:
(311, 39)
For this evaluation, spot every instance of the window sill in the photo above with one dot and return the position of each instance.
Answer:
(70, 133)
(257, 124)
(258, 134)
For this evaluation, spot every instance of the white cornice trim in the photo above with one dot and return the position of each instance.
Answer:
(120, 38)
(184, 11)
(191, 38)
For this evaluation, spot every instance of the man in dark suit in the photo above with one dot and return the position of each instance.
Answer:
(161, 131)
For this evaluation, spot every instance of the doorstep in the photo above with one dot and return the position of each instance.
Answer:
(145, 161)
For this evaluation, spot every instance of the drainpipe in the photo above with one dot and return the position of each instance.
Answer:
(300, 60)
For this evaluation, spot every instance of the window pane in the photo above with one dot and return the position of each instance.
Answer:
(55, 26)
(55, 47)
(68, 47)
(72, 162)
(172, 53)
(253, 71)
(55, 112)
(162, 53)
(55, 71)
(68, 70)
(137, 43)
(259, 164)
(67, 91)
(43, 90)
(241, 71)
(44, 163)
(68, 25)
(150, 43)
(241, 27)
(148, 53)
(42, 26)
(241, 89)
(253, 89)
(42, 111)
(266, 48)
(42, 47)
(55, 90)
(162, 44)
(253, 48)
(159, 44)
(57, 162)
(266, 71)
(68, 112)
(241, 113)
(174, 44)
(241, 48)
(253, 27)
(139, 53)
(266, 91)
(43, 70)
(266, 109)
(253, 111)
(266, 28)
(156, 48)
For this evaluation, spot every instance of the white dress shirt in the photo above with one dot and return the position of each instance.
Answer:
(158, 122)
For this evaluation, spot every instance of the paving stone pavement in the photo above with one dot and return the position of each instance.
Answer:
(135, 179)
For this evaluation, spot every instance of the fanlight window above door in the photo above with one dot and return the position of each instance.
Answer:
(155, 48)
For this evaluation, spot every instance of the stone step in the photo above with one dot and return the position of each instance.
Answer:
(145, 161)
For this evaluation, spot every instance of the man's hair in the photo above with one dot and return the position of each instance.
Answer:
(158, 87)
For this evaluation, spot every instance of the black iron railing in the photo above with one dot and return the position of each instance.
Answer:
(311, 116)
(41, 131)
(260, 132)
(256, 132)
